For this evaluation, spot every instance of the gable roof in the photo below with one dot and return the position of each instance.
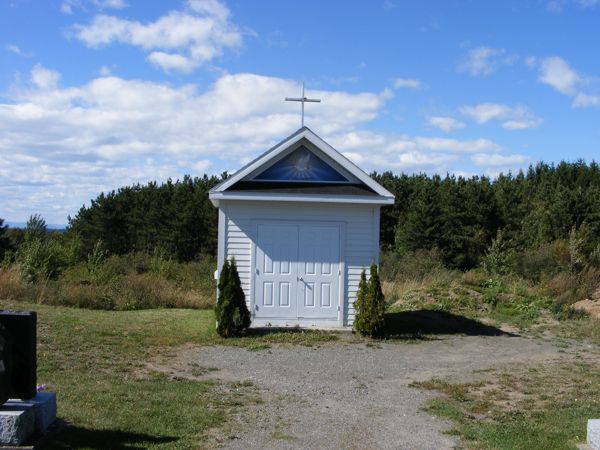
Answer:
(230, 188)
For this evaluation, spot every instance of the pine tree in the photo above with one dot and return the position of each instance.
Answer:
(370, 305)
(231, 311)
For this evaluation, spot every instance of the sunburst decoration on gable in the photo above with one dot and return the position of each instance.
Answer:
(301, 165)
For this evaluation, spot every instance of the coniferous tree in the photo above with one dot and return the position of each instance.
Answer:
(231, 310)
(176, 218)
(370, 305)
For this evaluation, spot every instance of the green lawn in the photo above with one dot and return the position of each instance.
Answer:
(95, 362)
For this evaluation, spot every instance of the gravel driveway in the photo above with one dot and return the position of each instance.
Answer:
(353, 396)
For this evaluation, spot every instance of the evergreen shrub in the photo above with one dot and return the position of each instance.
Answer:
(370, 305)
(231, 311)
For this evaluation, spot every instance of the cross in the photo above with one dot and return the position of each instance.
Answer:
(302, 100)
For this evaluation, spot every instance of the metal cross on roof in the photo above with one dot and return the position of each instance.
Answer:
(302, 100)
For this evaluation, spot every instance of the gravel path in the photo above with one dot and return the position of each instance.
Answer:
(353, 396)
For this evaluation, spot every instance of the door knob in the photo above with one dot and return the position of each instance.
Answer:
(301, 279)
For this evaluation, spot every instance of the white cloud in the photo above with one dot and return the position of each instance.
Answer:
(512, 118)
(557, 6)
(172, 61)
(16, 50)
(445, 123)
(180, 40)
(105, 71)
(584, 101)
(61, 146)
(485, 60)
(44, 78)
(409, 83)
(373, 151)
(497, 160)
(69, 6)
(110, 4)
(557, 73)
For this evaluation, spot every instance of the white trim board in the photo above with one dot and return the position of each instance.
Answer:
(318, 198)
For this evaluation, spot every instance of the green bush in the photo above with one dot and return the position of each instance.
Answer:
(231, 311)
(498, 258)
(544, 261)
(370, 305)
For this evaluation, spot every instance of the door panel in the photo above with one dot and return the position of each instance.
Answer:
(276, 278)
(318, 277)
(297, 271)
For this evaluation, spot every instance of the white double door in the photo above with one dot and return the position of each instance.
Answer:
(297, 271)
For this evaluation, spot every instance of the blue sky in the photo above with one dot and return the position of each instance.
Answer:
(97, 94)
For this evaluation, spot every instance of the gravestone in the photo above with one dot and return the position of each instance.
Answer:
(593, 434)
(23, 414)
(5, 364)
(20, 332)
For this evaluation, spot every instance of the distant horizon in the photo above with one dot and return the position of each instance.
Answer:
(50, 226)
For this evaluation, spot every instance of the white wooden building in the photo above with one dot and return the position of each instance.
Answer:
(302, 222)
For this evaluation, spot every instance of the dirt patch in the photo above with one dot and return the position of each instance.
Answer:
(590, 307)
(343, 395)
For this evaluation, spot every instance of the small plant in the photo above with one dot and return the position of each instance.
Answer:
(370, 305)
(95, 259)
(231, 311)
(497, 259)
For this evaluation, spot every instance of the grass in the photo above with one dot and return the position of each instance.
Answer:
(125, 282)
(499, 301)
(95, 362)
(521, 407)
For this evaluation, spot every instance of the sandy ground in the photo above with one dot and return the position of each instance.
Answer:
(351, 396)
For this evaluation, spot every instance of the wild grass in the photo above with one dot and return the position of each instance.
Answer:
(521, 407)
(128, 282)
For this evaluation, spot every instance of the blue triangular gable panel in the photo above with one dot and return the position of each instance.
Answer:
(301, 165)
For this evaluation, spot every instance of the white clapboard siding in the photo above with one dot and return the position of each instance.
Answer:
(360, 245)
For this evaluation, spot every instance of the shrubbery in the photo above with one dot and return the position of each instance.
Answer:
(50, 267)
(231, 311)
(370, 305)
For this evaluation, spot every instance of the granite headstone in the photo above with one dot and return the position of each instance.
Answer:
(22, 360)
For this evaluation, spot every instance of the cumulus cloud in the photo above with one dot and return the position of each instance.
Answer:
(44, 78)
(179, 41)
(374, 151)
(511, 118)
(558, 74)
(485, 60)
(61, 146)
(407, 83)
(585, 101)
(445, 123)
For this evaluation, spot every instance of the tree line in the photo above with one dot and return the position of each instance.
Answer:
(458, 217)
(461, 217)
